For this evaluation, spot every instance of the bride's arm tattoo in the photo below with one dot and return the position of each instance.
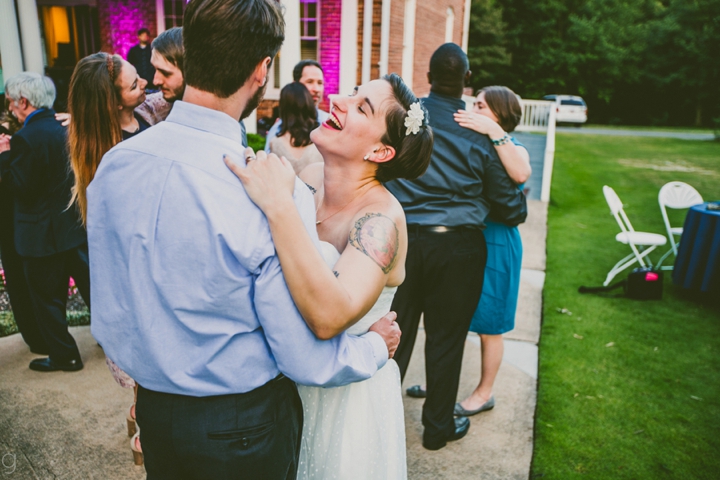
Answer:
(377, 237)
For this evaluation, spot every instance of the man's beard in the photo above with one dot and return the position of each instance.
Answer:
(176, 94)
(254, 101)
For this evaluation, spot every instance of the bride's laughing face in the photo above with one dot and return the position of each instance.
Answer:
(356, 123)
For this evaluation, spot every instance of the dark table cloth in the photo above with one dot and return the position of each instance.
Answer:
(697, 266)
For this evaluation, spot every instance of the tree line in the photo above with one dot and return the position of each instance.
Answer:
(635, 62)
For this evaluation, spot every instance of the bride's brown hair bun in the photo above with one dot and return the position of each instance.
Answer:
(412, 151)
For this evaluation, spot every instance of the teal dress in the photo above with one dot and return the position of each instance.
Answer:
(495, 313)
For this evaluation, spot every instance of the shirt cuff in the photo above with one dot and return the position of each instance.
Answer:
(380, 351)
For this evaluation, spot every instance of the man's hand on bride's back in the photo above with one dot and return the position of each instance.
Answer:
(389, 330)
(268, 179)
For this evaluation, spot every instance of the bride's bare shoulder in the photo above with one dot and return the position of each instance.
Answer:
(313, 175)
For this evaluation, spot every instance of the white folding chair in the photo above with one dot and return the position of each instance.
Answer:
(641, 243)
(676, 195)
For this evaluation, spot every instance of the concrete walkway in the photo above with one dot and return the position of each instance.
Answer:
(72, 425)
(636, 133)
(500, 442)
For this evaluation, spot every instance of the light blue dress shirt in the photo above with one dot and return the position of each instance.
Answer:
(322, 115)
(187, 292)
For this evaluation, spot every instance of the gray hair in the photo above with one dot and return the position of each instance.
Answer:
(38, 89)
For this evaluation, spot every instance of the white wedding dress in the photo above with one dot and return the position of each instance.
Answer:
(356, 431)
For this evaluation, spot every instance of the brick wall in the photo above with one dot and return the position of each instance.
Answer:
(121, 19)
(430, 34)
(375, 43)
(430, 19)
(265, 109)
(329, 50)
(397, 26)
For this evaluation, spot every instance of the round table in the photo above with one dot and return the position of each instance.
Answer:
(697, 266)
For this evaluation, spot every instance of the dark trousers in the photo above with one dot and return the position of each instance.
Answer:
(19, 293)
(48, 279)
(254, 435)
(444, 280)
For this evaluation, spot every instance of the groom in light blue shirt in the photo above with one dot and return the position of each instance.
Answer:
(188, 293)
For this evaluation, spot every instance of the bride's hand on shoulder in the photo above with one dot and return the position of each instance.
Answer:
(268, 179)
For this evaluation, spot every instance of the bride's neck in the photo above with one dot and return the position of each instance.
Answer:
(343, 182)
(127, 119)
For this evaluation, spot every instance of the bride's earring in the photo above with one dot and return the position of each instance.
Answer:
(367, 157)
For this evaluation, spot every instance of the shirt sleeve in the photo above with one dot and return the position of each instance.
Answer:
(300, 355)
(22, 171)
(507, 202)
(272, 133)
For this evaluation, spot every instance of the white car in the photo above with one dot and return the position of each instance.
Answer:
(570, 108)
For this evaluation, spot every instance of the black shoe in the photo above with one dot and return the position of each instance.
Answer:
(462, 425)
(47, 364)
(416, 391)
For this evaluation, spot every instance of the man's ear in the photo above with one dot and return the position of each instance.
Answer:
(468, 76)
(429, 77)
(261, 71)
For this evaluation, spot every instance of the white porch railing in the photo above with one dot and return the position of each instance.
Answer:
(535, 115)
(539, 116)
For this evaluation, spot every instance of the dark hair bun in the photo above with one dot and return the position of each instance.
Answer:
(412, 150)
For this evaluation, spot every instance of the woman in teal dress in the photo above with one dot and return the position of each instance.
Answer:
(496, 112)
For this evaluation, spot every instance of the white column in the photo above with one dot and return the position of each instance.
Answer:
(31, 39)
(466, 25)
(348, 46)
(367, 40)
(449, 24)
(12, 62)
(385, 37)
(408, 59)
(251, 122)
(290, 52)
(160, 16)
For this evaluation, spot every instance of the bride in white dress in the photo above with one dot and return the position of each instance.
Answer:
(376, 134)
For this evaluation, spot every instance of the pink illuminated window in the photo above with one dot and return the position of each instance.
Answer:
(309, 29)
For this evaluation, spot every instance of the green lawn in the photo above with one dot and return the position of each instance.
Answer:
(74, 317)
(650, 129)
(627, 389)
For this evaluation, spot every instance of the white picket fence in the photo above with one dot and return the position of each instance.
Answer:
(537, 116)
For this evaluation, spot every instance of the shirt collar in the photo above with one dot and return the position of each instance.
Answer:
(205, 119)
(444, 98)
(27, 119)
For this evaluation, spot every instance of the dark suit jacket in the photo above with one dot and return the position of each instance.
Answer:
(37, 172)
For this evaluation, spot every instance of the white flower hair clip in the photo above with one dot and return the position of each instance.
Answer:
(414, 119)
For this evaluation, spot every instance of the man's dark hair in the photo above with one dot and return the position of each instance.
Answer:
(297, 113)
(169, 44)
(298, 70)
(143, 30)
(225, 40)
(448, 65)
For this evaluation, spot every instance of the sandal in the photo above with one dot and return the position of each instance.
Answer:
(136, 449)
(131, 423)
